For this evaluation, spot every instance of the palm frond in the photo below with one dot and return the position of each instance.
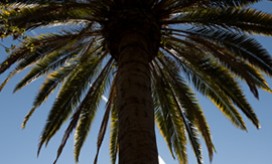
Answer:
(227, 3)
(70, 93)
(88, 109)
(52, 81)
(14, 16)
(240, 54)
(190, 128)
(208, 88)
(240, 68)
(93, 96)
(104, 124)
(242, 46)
(247, 20)
(36, 47)
(168, 118)
(68, 131)
(188, 101)
(168, 7)
(217, 76)
(47, 52)
(50, 62)
(114, 145)
(29, 2)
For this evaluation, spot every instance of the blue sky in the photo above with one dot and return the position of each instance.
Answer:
(233, 146)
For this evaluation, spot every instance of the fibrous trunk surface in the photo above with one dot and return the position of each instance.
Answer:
(137, 142)
(132, 34)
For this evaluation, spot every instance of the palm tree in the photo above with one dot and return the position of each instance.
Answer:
(150, 52)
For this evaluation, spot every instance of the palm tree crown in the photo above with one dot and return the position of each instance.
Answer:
(200, 43)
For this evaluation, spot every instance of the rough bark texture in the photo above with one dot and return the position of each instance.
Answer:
(132, 35)
(137, 142)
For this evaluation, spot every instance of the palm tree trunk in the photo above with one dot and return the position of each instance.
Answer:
(137, 142)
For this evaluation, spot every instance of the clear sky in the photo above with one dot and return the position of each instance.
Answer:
(233, 146)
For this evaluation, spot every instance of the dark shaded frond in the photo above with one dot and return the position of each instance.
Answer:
(241, 68)
(102, 130)
(46, 52)
(71, 91)
(190, 128)
(162, 106)
(104, 124)
(25, 2)
(243, 47)
(208, 88)
(247, 20)
(114, 145)
(168, 7)
(218, 75)
(90, 102)
(239, 53)
(35, 47)
(188, 101)
(52, 81)
(167, 118)
(226, 3)
(31, 59)
(88, 109)
(14, 16)
(50, 62)
(68, 131)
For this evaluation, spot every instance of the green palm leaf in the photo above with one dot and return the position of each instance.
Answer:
(32, 49)
(227, 3)
(241, 45)
(70, 93)
(248, 20)
(167, 7)
(114, 133)
(51, 82)
(168, 118)
(88, 109)
(13, 21)
(240, 68)
(51, 62)
(191, 130)
(104, 124)
(188, 102)
(208, 88)
(220, 76)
